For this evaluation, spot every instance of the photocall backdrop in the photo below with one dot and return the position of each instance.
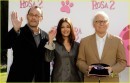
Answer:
(81, 13)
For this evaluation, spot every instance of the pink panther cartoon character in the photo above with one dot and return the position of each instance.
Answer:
(125, 35)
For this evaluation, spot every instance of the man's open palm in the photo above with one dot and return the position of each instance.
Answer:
(16, 21)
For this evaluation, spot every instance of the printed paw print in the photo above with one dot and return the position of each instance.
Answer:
(125, 35)
(66, 6)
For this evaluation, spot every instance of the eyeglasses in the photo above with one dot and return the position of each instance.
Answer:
(101, 21)
(37, 16)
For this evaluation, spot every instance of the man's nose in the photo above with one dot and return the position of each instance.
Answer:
(101, 23)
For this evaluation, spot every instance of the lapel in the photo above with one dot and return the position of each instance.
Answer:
(94, 46)
(28, 34)
(43, 38)
(106, 46)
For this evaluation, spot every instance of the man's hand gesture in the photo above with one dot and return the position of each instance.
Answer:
(16, 21)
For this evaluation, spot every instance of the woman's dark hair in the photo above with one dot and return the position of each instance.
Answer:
(59, 37)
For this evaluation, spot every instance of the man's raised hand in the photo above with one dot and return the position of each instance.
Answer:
(16, 21)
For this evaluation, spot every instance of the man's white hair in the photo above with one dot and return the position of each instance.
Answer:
(101, 13)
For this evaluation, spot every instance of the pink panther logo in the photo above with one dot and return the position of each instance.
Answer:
(77, 32)
(125, 35)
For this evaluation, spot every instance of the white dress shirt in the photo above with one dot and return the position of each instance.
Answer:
(100, 44)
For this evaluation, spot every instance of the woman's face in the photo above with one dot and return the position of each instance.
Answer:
(65, 29)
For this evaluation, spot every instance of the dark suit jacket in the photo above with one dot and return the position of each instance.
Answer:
(113, 55)
(28, 59)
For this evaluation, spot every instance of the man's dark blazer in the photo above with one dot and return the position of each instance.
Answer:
(28, 59)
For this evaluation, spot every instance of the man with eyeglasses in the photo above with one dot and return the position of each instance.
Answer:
(27, 44)
(101, 51)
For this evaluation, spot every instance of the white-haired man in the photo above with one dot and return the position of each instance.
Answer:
(101, 47)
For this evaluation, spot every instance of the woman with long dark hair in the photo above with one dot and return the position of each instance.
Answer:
(63, 52)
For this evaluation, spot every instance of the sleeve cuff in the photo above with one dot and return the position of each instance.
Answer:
(50, 46)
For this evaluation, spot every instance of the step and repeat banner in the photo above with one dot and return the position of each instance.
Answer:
(81, 13)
